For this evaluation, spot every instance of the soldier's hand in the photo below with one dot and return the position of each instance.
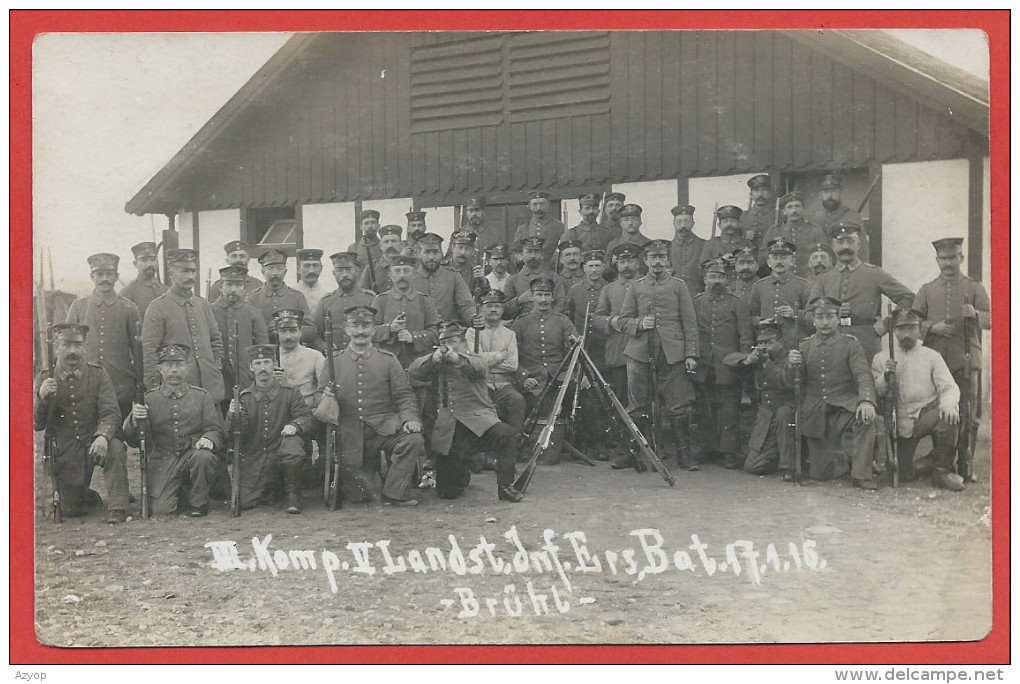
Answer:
(890, 365)
(531, 384)
(478, 322)
(399, 323)
(100, 445)
(205, 443)
(48, 388)
(278, 373)
(232, 409)
(691, 364)
(404, 335)
(139, 411)
(795, 357)
(327, 390)
(411, 427)
(648, 323)
(942, 329)
(785, 311)
(574, 339)
(951, 415)
(288, 430)
(478, 271)
(879, 327)
(452, 356)
(753, 357)
(866, 412)
(438, 354)
(969, 311)
(845, 311)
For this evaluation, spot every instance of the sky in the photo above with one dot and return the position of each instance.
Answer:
(109, 110)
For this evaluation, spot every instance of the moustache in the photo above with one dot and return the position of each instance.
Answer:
(845, 250)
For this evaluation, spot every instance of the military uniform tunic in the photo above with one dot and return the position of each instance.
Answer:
(685, 258)
(844, 214)
(569, 279)
(84, 407)
(590, 235)
(422, 322)
(548, 228)
(336, 303)
(449, 292)
(172, 319)
(584, 297)
(801, 233)
(605, 320)
(862, 286)
(721, 245)
(542, 341)
(141, 293)
(381, 274)
(111, 340)
(637, 238)
(251, 329)
(269, 301)
(520, 282)
(771, 443)
(773, 291)
(251, 283)
(756, 221)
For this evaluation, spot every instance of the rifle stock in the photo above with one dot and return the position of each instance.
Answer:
(892, 394)
(332, 474)
(50, 439)
(235, 429)
(797, 427)
(143, 456)
(577, 387)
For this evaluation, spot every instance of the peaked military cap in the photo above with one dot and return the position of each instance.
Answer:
(682, 210)
(144, 249)
(630, 210)
(627, 249)
(821, 247)
(272, 256)
(767, 329)
(492, 297)
(538, 194)
(762, 180)
(173, 352)
(903, 317)
(309, 255)
(830, 181)
(430, 239)
(589, 199)
(728, 211)
(593, 255)
(715, 266)
(617, 196)
(794, 196)
(415, 215)
(844, 228)
(236, 246)
(536, 241)
(70, 332)
(475, 202)
(570, 244)
(368, 213)
(824, 304)
(344, 259)
(181, 256)
(451, 331)
(463, 237)
(286, 317)
(948, 243)
(391, 229)
(360, 314)
(261, 351)
(542, 284)
(234, 274)
(405, 260)
(656, 246)
(781, 245)
(746, 251)
(496, 251)
(104, 262)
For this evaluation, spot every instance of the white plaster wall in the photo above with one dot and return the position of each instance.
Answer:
(656, 199)
(186, 236)
(329, 227)
(440, 220)
(705, 194)
(391, 210)
(215, 229)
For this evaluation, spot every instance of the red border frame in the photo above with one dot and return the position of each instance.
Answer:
(27, 24)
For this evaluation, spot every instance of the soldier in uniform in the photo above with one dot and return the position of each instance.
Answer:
(346, 295)
(309, 262)
(407, 323)
(497, 346)
(833, 211)
(272, 419)
(368, 221)
(724, 328)
(146, 286)
(589, 232)
(584, 297)
(415, 228)
(745, 268)
(303, 369)
(571, 273)
(113, 321)
(498, 260)
(231, 308)
(275, 295)
(474, 211)
(761, 213)
(685, 250)
(630, 225)
(958, 309)
(793, 228)
(659, 318)
(467, 422)
(839, 398)
(771, 443)
(610, 219)
(185, 430)
(85, 424)
(859, 287)
(543, 335)
(238, 254)
(443, 284)
(540, 225)
(927, 401)
(378, 413)
(820, 259)
(462, 258)
(179, 317)
(605, 318)
(782, 296)
(728, 240)
(378, 277)
(518, 286)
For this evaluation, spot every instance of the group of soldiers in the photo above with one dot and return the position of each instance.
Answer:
(438, 357)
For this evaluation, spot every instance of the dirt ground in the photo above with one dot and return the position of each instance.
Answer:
(834, 564)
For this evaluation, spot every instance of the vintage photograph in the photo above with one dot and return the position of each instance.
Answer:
(594, 337)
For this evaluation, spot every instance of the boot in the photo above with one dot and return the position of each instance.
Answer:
(681, 434)
(292, 485)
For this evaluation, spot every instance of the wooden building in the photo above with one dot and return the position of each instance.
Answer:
(337, 122)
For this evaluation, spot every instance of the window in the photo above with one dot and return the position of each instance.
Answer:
(273, 228)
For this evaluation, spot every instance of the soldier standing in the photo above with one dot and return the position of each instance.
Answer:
(467, 422)
(728, 240)
(113, 321)
(303, 369)
(724, 328)
(185, 432)
(605, 318)
(793, 228)
(839, 398)
(309, 263)
(540, 225)
(760, 214)
(444, 285)
(630, 225)
(238, 254)
(571, 273)
(589, 232)
(346, 295)
(518, 286)
(958, 309)
(407, 323)
(415, 229)
(462, 259)
(745, 267)
(179, 317)
(146, 286)
(781, 296)
(275, 295)
(543, 335)
(498, 260)
(859, 287)
(474, 210)
(833, 211)
(659, 318)
(378, 278)
(685, 250)
(820, 259)
(228, 309)
(584, 298)
(368, 221)
(85, 424)
(272, 419)
(610, 219)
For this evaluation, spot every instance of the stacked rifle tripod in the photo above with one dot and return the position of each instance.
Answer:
(578, 366)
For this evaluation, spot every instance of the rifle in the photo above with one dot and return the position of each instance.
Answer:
(208, 282)
(715, 218)
(529, 423)
(653, 418)
(577, 385)
(367, 239)
(235, 429)
(966, 469)
(893, 395)
(333, 478)
(797, 428)
(50, 439)
(143, 457)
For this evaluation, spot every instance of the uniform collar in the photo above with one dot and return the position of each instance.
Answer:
(107, 301)
(852, 267)
(263, 394)
(657, 281)
(409, 296)
(190, 301)
(951, 281)
(64, 373)
(270, 292)
(782, 281)
(686, 237)
(174, 392)
(820, 340)
(358, 356)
